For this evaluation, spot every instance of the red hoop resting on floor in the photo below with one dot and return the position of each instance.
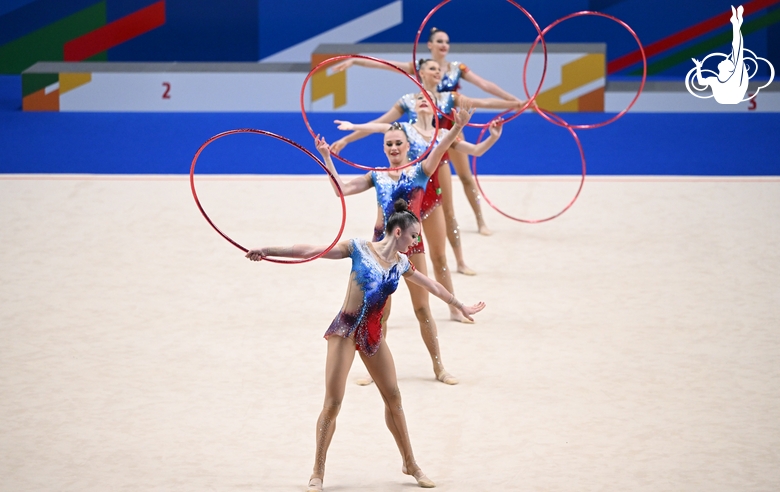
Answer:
(287, 141)
(530, 100)
(533, 221)
(560, 121)
(383, 62)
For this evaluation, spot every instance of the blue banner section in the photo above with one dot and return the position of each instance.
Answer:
(249, 30)
(10, 92)
(11, 5)
(496, 21)
(285, 24)
(196, 31)
(638, 144)
(669, 17)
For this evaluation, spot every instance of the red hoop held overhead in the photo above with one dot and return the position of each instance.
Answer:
(560, 121)
(530, 100)
(287, 141)
(533, 221)
(383, 62)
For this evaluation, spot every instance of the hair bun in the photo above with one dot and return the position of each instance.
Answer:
(433, 32)
(400, 205)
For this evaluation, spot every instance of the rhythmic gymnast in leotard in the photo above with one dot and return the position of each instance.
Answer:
(452, 74)
(419, 135)
(376, 270)
(440, 186)
(409, 184)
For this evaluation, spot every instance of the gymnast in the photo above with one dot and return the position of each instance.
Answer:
(376, 269)
(440, 185)
(452, 73)
(408, 183)
(419, 134)
(731, 84)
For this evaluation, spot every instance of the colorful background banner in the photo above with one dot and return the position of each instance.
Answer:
(684, 138)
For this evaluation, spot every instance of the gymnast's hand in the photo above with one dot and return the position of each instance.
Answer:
(340, 67)
(345, 125)
(496, 126)
(256, 254)
(696, 62)
(337, 146)
(463, 114)
(469, 310)
(322, 146)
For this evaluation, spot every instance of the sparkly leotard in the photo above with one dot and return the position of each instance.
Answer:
(418, 145)
(376, 283)
(408, 102)
(410, 186)
(450, 78)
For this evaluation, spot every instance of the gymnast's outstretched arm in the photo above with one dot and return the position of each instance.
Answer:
(479, 149)
(370, 127)
(338, 252)
(362, 62)
(488, 86)
(439, 291)
(389, 117)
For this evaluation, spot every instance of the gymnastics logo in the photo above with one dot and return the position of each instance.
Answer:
(730, 83)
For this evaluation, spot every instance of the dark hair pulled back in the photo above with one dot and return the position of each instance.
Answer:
(402, 217)
(434, 30)
(423, 61)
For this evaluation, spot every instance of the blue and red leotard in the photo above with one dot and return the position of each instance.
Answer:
(375, 283)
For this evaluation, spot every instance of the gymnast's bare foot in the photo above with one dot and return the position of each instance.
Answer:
(364, 381)
(415, 471)
(446, 377)
(456, 315)
(315, 485)
(483, 229)
(462, 268)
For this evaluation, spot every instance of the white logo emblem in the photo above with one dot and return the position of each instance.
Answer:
(730, 83)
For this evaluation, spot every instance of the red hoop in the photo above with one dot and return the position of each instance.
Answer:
(533, 221)
(530, 100)
(288, 141)
(561, 121)
(383, 62)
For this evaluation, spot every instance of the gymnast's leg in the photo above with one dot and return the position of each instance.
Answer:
(422, 311)
(433, 227)
(450, 222)
(382, 369)
(341, 353)
(367, 379)
(461, 163)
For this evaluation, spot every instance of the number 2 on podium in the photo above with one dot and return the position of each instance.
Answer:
(167, 93)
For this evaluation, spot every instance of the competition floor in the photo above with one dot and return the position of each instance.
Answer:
(630, 345)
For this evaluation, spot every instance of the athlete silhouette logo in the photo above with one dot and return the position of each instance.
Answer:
(730, 83)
